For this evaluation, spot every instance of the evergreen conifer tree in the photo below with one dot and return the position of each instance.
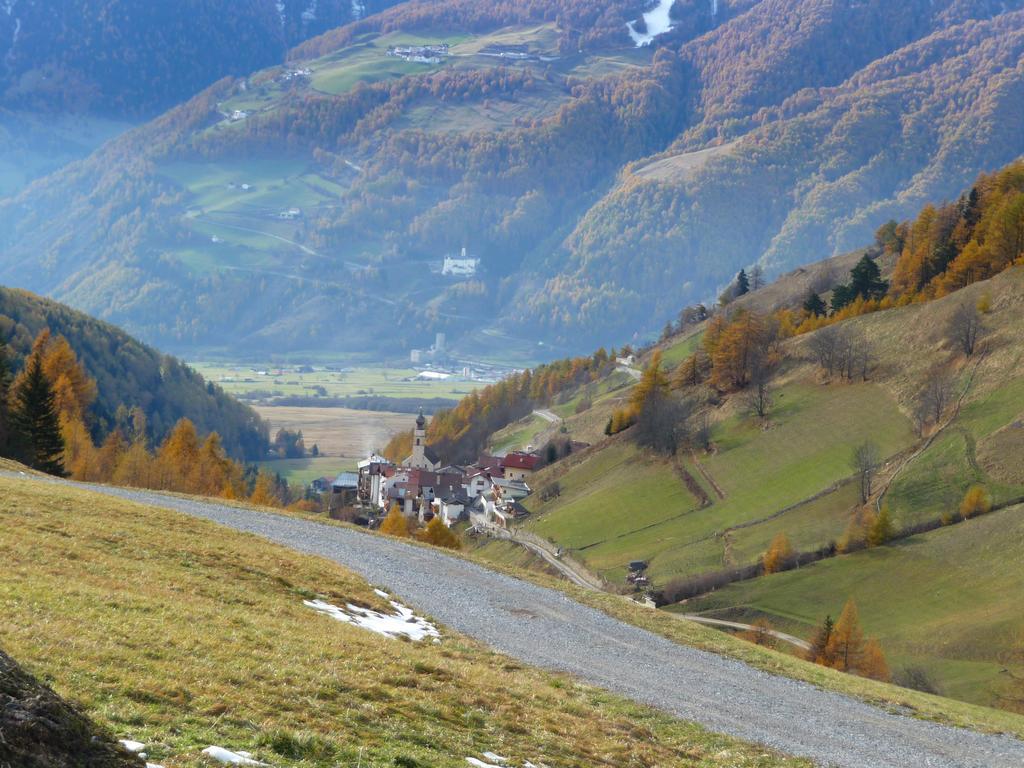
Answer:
(742, 283)
(34, 423)
(814, 305)
(5, 384)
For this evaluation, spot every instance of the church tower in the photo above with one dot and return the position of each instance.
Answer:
(418, 460)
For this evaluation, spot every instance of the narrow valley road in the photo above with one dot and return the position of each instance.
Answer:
(546, 628)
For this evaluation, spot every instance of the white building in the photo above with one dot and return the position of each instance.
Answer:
(460, 267)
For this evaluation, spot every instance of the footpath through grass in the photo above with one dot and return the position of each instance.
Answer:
(181, 634)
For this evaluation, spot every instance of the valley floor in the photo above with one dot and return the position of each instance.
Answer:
(546, 628)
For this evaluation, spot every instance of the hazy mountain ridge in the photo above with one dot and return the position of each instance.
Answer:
(570, 177)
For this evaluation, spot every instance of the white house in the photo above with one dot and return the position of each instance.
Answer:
(461, 267)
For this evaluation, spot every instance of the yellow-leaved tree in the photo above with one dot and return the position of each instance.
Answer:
(976, 502)
(439, 534)
(264, 492)
(396, 523)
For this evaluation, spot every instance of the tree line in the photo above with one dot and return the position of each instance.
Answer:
(45, 414)
(460, 434)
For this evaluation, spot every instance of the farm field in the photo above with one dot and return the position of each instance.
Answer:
(761, 473)
(947, 602)
(607, 502)
(278, 379)
(339, 433)
(978, 448)
(301, 472)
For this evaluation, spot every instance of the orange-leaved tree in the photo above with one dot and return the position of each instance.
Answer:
(779, 553)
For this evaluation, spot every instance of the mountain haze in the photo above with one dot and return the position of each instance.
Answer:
(603, 185)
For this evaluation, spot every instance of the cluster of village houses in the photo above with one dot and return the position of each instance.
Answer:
(486, 493)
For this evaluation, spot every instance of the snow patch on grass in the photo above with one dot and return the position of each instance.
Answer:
(402, 623)
(228, 757)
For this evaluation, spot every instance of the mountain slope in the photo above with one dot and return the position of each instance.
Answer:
(601, 184)
(130, 374)
(131, 58)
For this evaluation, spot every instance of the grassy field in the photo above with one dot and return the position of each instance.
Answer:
(951, 601)
(339, 432)
(301, 472)
(608, 503)
(520, 434)
(675, 352)
(199, 636)
(761, 472)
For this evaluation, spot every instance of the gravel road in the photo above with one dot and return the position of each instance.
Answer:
(544, 627)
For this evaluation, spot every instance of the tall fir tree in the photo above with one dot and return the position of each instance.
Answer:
(742, 283)
(34, 422)
(5, 384)
(866, 280)
(814, 305)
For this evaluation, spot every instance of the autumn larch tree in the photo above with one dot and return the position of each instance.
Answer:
(438, 534)
(264, 492)
(975, 502)
(882, 529)
(34, 422)
(778, 555)
(846, 643)
(872, 662)
(396, 523)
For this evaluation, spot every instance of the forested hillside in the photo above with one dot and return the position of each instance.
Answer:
(134, 58)
(128, 375)
(849, 435)
(603, 185)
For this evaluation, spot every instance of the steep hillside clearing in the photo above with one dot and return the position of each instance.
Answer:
(676, 168)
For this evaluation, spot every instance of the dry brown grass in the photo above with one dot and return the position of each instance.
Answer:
(181, 634)
(344, 432)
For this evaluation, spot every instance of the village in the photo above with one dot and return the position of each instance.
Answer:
(486, 494)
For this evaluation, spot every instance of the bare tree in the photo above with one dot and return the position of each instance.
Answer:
(865, 460)
(759, 398)
(936, 396)
(662, 423)
(823, 346)
(756, 277)
(964, 328)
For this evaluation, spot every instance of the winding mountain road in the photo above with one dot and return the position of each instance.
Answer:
(546, 628)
